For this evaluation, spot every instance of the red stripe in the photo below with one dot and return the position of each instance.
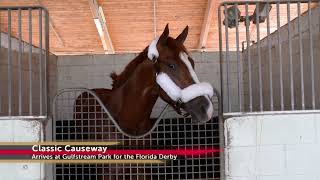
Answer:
(181, 152)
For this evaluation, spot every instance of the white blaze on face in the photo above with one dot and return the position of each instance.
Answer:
(185, 59)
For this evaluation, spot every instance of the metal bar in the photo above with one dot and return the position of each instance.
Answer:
(30, 61)
(271, 113)
(0, 59)
(249, 57)
(220, 59)
(38, 118)
(290, 57)
(40, 61)
(252, 2)
(227, 59)
(270, 61)
(22, 7)
(280, 55)
(239, 66)
(311, 56)
(154, 19)
(301, 56)
(259, 56)
(46, 59)
(54, 138)
(192, 146)
(20, 62)
(9, 66)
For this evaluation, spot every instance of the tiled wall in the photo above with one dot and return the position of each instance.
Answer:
(273, 147)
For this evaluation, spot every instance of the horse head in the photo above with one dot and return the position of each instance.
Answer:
(179, 84)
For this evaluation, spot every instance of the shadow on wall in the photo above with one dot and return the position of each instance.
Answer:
(25, 71)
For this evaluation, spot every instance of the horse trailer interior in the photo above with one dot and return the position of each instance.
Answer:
(263, 69)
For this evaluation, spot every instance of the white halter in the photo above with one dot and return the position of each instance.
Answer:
(186, 94)
(173, 90)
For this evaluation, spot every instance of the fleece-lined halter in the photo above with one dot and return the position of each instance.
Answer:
(172, 89)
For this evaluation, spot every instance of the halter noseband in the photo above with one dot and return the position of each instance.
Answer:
(176, 94)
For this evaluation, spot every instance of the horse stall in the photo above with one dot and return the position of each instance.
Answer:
(269, 59)
(39, 92)
(170, 130)
(24, 96)
(266, 91)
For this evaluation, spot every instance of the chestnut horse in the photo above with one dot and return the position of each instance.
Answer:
(163, 69)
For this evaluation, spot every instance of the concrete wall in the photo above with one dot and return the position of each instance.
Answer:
(285, 63)
(52, 73)
(92, 71)
(21, 131)
(273, 147)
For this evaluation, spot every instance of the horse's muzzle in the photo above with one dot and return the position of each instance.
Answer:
(200, 109)
(195, 98)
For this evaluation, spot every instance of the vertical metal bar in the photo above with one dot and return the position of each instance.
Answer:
(40, 59)
(20, 62)
(301, 56)
(221, 61)
(30, 61)
(185, 140)
(9, 65)
(239, 66)
(280, 55)
(54, 133)
(227, 58)
(290, 56)
(270, 61)
(192, 147)
(311, 55)
(249, 57)
(46, 58)
(0, 59)
(259, 56)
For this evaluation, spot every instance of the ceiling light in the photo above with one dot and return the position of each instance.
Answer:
(264, 10)
(233, 13)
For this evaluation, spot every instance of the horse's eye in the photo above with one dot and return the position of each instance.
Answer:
(172, 66)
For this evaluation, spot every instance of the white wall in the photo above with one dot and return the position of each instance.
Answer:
(21, 131)
(273, 147)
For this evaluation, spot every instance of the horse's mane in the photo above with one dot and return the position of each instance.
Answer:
(119, 80)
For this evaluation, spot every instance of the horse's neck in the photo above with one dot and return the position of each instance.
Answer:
(133, 102)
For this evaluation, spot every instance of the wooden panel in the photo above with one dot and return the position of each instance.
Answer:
(130, 23)
(179, 14)
(72, 20)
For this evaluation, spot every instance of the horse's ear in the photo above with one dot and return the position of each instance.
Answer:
(182, 37)
(164, 36)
